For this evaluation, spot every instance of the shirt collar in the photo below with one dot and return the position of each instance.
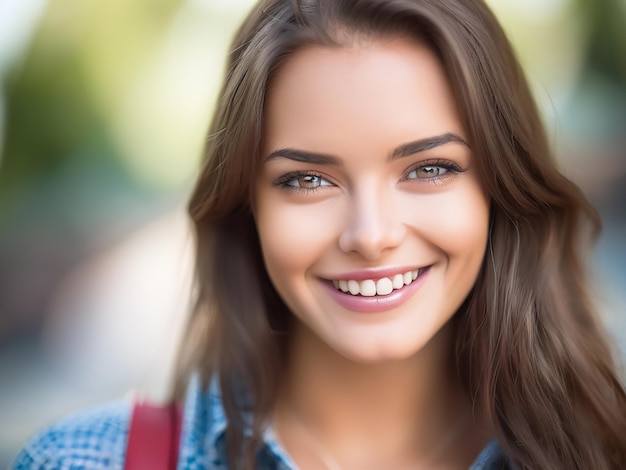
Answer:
(205, 421)
(204, 413)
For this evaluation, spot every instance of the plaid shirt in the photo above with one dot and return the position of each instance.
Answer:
(97, 440)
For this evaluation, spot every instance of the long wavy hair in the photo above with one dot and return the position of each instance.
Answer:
(530, 350)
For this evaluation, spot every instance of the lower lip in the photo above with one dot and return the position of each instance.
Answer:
(376, 303)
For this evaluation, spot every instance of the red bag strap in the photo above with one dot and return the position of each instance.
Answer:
(153, 437)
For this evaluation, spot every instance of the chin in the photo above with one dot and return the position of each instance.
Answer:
(378, 353)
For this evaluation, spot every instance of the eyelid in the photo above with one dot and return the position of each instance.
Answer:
(282, 180)
(448, 165)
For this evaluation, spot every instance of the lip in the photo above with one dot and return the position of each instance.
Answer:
(377, 303)
(375, 273)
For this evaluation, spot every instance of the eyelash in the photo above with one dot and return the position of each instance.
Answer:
(450, 169)
(283, 181)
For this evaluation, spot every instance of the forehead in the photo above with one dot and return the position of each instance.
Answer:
(395, 89)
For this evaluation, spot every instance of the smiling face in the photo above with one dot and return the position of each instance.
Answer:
(371, 217)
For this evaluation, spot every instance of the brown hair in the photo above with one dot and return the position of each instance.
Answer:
(530, 349)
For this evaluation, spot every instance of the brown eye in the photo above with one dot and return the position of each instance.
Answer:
(302, 181)
(426, 172)
(307, 181)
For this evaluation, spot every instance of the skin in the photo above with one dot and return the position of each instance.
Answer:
(370, 390)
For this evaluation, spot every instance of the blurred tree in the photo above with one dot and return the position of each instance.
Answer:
(61, 173)
(58, 103)
(606, 45)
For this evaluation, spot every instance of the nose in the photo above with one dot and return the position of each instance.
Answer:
(373, 225)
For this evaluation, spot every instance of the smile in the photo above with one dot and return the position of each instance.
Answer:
(376, 294)
(382, 286)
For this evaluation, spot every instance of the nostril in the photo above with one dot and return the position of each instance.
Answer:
(372, 240)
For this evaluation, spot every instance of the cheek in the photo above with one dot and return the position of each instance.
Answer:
(292, 236)
(467, 228)
(456, 223)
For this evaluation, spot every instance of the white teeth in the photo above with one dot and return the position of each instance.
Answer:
(367, 288)
(382, 286)
(398, 281)
(354, 288)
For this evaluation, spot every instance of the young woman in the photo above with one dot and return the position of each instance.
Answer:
(388, 262)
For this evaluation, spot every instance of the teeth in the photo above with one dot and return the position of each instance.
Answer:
(367, 288)
(382, 286)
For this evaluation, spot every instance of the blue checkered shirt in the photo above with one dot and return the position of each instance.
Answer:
(96, 439)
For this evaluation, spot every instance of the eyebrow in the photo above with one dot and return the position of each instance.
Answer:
(426, 144)
(404, 150)
(306, 157)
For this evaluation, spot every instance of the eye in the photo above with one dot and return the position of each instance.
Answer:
(304, 181)
(432, 171)
(425, 172)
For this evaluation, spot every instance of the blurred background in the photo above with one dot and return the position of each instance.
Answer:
(103, 110)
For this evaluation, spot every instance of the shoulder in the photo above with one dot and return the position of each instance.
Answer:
(492, 457)
(94, 439)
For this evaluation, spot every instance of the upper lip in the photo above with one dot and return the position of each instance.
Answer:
(375, 273)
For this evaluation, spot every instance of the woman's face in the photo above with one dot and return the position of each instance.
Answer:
(370, 213)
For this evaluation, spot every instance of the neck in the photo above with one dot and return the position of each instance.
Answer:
(411, 407)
